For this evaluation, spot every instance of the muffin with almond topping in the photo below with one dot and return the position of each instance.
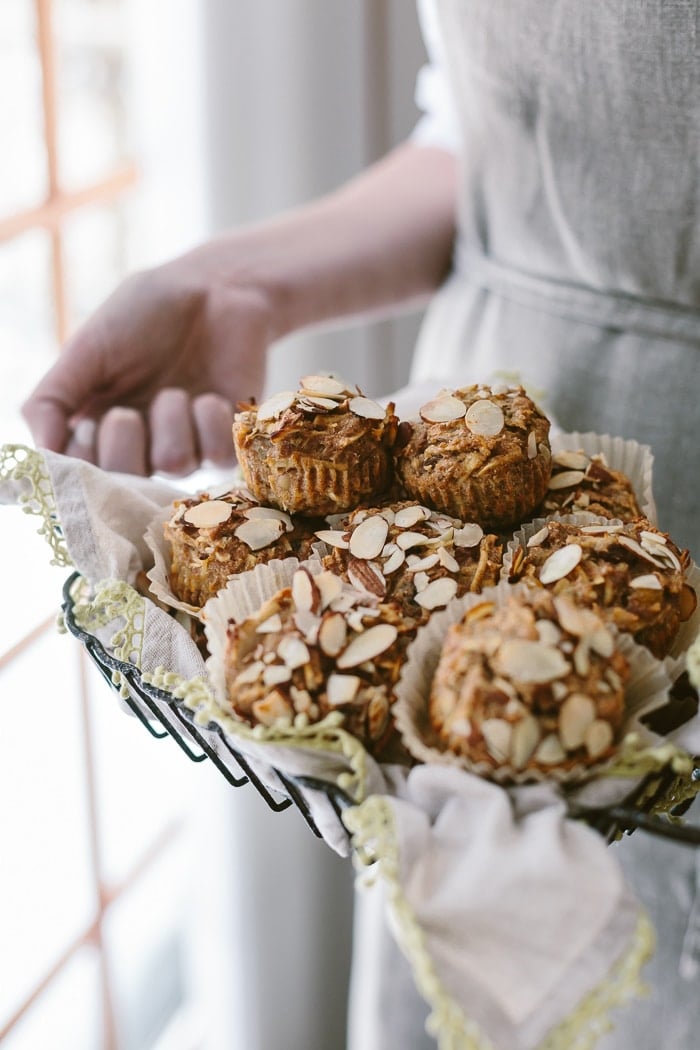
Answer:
(580, 482)
(211, 540)
(407, 553)
(536, 684)
(631, 573)
(316, 647)
(480, 454)
(318, 450)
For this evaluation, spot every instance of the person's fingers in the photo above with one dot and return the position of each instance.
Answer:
(83, 439)
(121, 441)
(213, 420)
(173, 448)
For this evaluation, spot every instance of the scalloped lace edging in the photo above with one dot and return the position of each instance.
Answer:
(326, 735)
(27, 467)
(114, 601)
(375, 842)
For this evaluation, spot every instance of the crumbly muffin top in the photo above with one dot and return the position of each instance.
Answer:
(319, 646)
(580, 482)
(411, 554)
(631, 572)
(537, 683)
(324, 418)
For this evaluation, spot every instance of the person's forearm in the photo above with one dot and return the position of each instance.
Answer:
(381, 240)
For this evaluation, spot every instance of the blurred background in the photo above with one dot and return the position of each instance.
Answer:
(144, 903)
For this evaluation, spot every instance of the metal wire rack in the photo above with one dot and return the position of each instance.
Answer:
(162, 715)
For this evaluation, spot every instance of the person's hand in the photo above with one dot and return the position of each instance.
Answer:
(150, 382)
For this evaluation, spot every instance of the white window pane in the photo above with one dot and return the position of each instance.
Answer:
(47, 894)
(94, 251)
(26, 325)
(90, 40)
(68, 1014)
(33, 583)
(144, 785)
(145, 941)
(23, 181)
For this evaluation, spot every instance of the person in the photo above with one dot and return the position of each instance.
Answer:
(553, 219)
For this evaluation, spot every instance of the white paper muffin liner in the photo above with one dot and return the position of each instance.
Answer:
(159, 574)
(646, 690)
(629, 457)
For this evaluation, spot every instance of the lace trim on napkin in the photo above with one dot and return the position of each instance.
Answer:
(27, 468)
(114, 603)
(325, 735)
(375, 842)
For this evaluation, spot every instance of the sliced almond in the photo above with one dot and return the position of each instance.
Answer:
(406, 540)
(314, 405)
(575, 619)
(249, 674)
(301, 698)
(468, 536)
(598, 738)
(443, 409)
(437, 593)
(570, 460)
(368, 539)
(582, 663)
(447, 560)
(576, 715)
(688, 602)
(565, 479)
(325, 386)
(539, 537)
(393, 562)
(377, 715)
(525, 738)
(208, 513)
(408, 516)
(366, 408)
(424, 564)
(649, 582)
(601, 642)
(560, 563)
(276, 405)
(366, 646)
(270, 512)
(276, 674)
(420, 581)
(485, 418)
(330, 587)
(270, 625)
(497, 735)
(332, 634)
(307, 623)
(334, 538)
(636, 548)
(257, 533)
(272, 708)
(366, 575)
(550, 751)
(292, 651)
(305, 593)
(341, 689)
(528, 661)
(548, 632)
(531, 445)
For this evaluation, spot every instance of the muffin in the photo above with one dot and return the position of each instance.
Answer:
(479, 454)
(318, 450)
(211, 540)
(535, 684)
(580, 482)
(316, 647)
(407, 553)
(631, 573)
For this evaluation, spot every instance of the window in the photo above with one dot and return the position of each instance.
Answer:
(92, 824)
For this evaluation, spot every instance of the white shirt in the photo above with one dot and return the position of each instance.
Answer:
(439, 125)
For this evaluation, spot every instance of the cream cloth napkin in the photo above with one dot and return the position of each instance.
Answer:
(516, 920)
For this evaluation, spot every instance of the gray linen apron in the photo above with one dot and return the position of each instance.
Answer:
(577, 268)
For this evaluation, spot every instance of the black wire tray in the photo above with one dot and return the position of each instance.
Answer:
(163, 715)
